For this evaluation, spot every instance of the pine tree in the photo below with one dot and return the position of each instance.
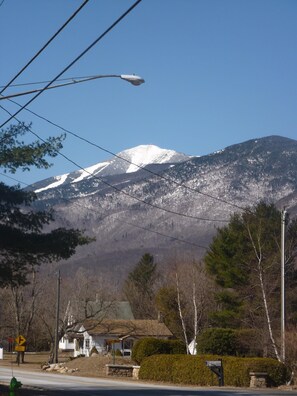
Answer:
(244, 259)
(139, 288)
(23, 242)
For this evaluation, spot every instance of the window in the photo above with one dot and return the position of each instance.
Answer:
(87, 343)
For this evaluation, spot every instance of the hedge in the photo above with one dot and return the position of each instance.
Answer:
(153, 346)
(192, 370)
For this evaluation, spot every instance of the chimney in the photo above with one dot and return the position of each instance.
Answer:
(160, 317)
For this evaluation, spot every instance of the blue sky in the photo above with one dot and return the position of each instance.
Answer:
(217, 72)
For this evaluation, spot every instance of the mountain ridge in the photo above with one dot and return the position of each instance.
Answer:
(134, 213)
(127, 161)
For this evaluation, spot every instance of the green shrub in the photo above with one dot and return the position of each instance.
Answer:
(153, 346)
(147, 347)
(247, 343)
(231, 342)
(192, 370)
(217, 341)
(175, 347)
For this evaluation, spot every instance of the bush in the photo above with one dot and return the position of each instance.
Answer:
(217, 341)
(247, 343)
(153, 346)
(192, 370)
(176, 347)
(230, 342)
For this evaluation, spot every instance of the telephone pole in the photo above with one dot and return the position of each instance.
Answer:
(56, 346)
(283, 227)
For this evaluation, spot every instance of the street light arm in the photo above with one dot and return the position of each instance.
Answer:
(133, 79)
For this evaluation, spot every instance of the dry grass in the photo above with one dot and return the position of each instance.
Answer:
(94, 366)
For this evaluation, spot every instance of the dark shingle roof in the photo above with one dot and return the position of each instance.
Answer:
(120, 328)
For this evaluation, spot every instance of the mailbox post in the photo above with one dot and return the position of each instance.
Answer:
(216, 366)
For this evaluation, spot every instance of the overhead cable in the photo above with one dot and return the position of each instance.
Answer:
(121, 190)
(73, 62)
(179, 184)
(44, 47)
(121, 221)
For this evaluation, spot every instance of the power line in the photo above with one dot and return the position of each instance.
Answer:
(45, 45)
(121, 190)
(130, 162)
(93, 144)
(13, 178)
(122, 221)
(130, 195)
(74, 61)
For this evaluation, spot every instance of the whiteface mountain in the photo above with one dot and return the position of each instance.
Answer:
(147, 199)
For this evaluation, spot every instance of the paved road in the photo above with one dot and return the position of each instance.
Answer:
(47, 384)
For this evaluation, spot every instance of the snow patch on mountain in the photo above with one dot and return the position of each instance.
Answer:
(88, 172)
(127, 161)
(59, 180)
(236, 177)
(147, 154)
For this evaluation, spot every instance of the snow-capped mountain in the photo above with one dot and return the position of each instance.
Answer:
(175, 207)
(127, 161)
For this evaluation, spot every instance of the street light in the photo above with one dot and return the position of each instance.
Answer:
(131, 78)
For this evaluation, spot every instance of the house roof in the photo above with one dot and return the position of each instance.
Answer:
(122, 328)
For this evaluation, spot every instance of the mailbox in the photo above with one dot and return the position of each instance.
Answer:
(216, 366)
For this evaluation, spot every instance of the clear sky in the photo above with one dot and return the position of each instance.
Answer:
(217, 72)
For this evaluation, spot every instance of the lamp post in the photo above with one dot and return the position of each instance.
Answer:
(131, 78)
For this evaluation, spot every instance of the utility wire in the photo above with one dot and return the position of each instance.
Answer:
(118, 189)
(44, 47)
(130, 162)
(86, 140)
(13, 178)
(74, 61)
(122, 221)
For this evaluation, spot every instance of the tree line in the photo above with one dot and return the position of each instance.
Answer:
(235, 286)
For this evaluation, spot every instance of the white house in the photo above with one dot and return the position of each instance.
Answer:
(72, 339)
(118, 334)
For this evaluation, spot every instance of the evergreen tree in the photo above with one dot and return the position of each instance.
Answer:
(244, 259)
(139, 287)
(23, 242)
(167, 304)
